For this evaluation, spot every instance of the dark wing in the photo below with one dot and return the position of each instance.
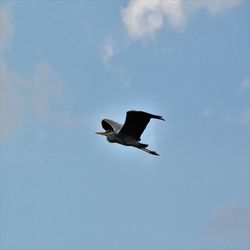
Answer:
(110, 125)
(136, 122)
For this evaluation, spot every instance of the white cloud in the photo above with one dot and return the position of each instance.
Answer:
(143, 18)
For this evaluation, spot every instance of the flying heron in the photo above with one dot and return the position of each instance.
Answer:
(129, 134)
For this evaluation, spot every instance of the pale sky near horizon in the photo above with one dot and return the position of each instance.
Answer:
(65, 65)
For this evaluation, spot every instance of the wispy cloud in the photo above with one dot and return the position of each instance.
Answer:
(240, 118)
(108, 51)
(143, 18)
(215, 6)
(118, 72)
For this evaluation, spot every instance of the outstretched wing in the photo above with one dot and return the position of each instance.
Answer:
(136, 122)
(110, 125)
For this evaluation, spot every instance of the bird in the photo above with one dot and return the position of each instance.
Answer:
(129, 133)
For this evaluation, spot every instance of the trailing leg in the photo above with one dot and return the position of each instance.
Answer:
(149, 151)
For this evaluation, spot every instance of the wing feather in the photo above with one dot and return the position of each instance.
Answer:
(136, 122)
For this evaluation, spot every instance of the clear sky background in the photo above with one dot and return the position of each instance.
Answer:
(65, 65)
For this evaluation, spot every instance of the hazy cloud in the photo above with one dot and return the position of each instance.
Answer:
(208, 112)
(143, 18)
(43, 96)
(233, 224)
(245, 84)
(12, 103)
(48, 92)
(6, 28)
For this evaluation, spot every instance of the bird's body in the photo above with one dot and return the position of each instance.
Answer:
(130, 133)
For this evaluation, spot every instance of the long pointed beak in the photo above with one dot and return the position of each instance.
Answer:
(101, 133)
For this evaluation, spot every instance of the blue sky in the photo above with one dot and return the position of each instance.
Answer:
(65, 65)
